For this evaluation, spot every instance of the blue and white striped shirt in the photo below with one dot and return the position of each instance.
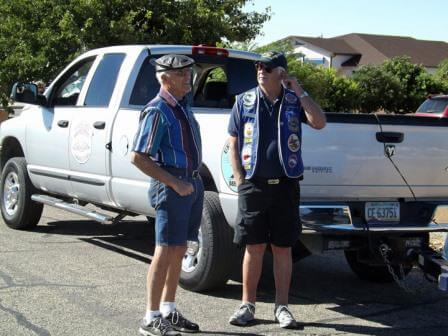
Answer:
(169, 133)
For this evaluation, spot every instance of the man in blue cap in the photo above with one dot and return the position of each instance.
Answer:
(167, 147)
(265, 150)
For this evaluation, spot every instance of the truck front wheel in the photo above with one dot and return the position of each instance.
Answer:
(209, 263)
(18, 210)
(373, 273)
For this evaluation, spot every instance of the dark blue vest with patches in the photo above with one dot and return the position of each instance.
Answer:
(289, 132)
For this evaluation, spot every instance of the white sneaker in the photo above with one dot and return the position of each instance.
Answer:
(244, 315)
(284, 317)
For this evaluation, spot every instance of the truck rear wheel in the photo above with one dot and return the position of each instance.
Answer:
(18, 210)
(372, 273)
(209, 263)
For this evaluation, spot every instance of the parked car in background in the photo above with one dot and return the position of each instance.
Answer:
(434, 106)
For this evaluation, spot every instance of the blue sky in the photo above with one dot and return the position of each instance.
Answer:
(427, 19)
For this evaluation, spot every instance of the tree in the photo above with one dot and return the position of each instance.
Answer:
(413, 82)
(38, 38)
(378, 89)
(442, 74)
(343, 94)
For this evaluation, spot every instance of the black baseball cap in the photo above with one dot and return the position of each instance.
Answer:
(273, 59)
(172, 62)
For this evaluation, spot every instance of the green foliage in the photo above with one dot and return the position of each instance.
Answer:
(442, 72)
(343, 95)
(412, 81)
(38, 38)
(333, 92)
(217, 75)
(283, 46)
(377, 89)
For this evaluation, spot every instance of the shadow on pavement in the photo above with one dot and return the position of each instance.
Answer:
(317, 280)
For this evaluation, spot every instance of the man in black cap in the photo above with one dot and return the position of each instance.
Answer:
(265, 150)
(167, 147)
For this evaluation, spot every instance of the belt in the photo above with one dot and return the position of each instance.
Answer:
(181, 171)
(265, 180)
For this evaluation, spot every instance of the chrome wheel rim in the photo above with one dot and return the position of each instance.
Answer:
(11, 191)
(193, 254)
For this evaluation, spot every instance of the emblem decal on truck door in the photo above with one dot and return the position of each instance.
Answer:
(81, 141)
(226, 168)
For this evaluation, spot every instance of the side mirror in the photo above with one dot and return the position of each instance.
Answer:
(24, 93)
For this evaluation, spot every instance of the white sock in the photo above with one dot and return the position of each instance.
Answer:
(151, 314)
(167, 307)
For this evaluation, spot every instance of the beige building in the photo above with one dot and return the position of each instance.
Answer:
(347, 52)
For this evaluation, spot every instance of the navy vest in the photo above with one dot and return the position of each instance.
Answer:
(289, 135)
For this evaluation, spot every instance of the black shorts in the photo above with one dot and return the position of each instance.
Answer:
(268, 213)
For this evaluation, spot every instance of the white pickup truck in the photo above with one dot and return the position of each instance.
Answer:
(374, 186)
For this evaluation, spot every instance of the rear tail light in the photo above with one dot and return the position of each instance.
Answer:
(211, 51)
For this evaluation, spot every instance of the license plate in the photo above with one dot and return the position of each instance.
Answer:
(382, 212)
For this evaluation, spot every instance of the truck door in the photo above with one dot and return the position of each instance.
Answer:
(89, 147)
(49, 128)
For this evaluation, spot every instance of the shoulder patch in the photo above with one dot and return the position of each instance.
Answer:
(290, 98)
(249, 98)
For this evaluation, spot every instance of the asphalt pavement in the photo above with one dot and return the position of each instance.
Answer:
(72, 276)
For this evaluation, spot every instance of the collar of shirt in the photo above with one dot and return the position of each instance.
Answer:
(266, 100)
(169, 98)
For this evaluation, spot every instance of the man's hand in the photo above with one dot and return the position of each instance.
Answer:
(183, 188)
(291, 83)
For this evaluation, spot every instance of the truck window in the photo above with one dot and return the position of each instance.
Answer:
(216, 81)
(214, 91)
(71, 83)
(146, 86)
(103, 81)
(220, 83)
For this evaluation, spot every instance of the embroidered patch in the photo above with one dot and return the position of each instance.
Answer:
(246, 154)
(249, 98)
(293, 143)
(290, 98)
(293, 160)
(293, 124)
(248, 130)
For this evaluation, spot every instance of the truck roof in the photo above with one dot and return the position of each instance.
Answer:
(162, 49)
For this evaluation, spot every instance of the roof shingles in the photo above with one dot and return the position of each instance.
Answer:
(374, 49)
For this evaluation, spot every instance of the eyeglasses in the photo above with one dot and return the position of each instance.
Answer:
(182, 72)
(260, 66)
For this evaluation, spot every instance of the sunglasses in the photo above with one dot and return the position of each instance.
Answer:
(260, 66)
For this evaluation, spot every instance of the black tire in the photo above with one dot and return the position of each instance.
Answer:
(18, 210)
(217, 256)
(372, 273)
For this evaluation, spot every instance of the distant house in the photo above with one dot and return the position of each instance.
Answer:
(347, 52)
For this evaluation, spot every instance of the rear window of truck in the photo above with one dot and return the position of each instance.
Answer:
(216, 81)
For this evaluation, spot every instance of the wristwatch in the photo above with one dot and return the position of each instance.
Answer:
(303, 95)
